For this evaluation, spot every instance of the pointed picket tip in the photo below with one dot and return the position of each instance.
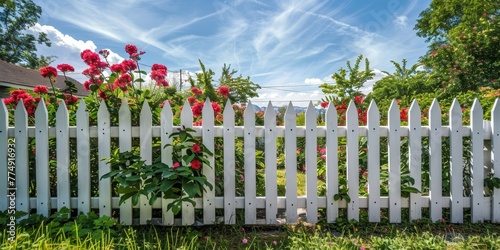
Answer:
(290, 109)
(414, 107)
(435, 106)
(351, 109)
(20, 109)
(495, 111)
(62, 109)
(331, 113)
(310, 107)
(103, 109)
(228, 108)
(186, 109)
(3, 107)
(394, 108)
(124, 106)
(207, 107)
(249, 108)
(41, 108)
(476, 106)
(269, 110)
(455, 107)
(82, 107)
(166, 107)
(145, 108)
(372, 107)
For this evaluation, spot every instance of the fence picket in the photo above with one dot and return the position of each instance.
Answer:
(4, 144)
(209, 170)
(495, 159)
(456, 162)
(373, 162)
(166, 123)
(332, 163)
(291, 163)
(187, 207)
(250, 162)
(22, 163)
(83, 157)
(270, 164)
(311, 164)
(477, 143)
(43, 205)
(62, 143)
(394, 151)
(415, 158)
(229, 165)
(145, 121)
(125, 143)
(435, 164)
(22, 167)
(352, 152)
(104, 142)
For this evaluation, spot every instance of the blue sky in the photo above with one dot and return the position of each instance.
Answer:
(287, 47)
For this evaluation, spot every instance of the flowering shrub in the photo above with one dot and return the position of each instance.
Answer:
(182, 181)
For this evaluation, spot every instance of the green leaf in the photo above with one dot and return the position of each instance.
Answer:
(167, 184)
(191, 189)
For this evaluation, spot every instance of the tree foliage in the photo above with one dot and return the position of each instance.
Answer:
(403, 83)
(17, 46)
(348, 86)
(464, 35)
(241, 87)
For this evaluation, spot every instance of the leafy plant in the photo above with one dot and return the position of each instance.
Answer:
(182, 181)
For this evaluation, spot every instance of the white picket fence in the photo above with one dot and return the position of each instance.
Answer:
(485, 144)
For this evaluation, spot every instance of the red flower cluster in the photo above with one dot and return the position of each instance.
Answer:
(65, 68)
(403, 114)
(195, 164)
(158, 74)
(196, 91)
(48, 71)
(196, 148)
(223, 91)
(325, 104)
(123, 81)
(197, 109)
(40, 89)
(130, 49)
(70, 99)
(217, 108)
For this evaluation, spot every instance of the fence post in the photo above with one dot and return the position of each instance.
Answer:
(43, 205)
(291, 163)
(373, 162)
(125, 143)
(415, 148)
(456, 162)
(394, 151)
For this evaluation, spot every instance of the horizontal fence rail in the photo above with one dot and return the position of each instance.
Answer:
(481, 138)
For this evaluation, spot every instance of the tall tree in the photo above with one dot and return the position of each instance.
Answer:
(241, 87)
(464, 41)
(349, 86)
(404, 82)
(17, 46)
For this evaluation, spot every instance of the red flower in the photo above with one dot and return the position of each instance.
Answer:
(217, 108)
(90, 58)
(65, 68)
(359, 99)
(48, 71)
(176, 164)
(157, 66)
(403, 114)
(8, 101)
(195, 165)
(324, 104)
(129, 65)
(70, 99)
(130, 49)
(191, 100)
(198, 123)
(41, 89)
(117, 68)
(196, 148)
(196, 91)
(123, 81)
(223, 91)
(197, 109)
(159, 76)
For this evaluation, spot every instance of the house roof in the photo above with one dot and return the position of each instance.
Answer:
(14, 76)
